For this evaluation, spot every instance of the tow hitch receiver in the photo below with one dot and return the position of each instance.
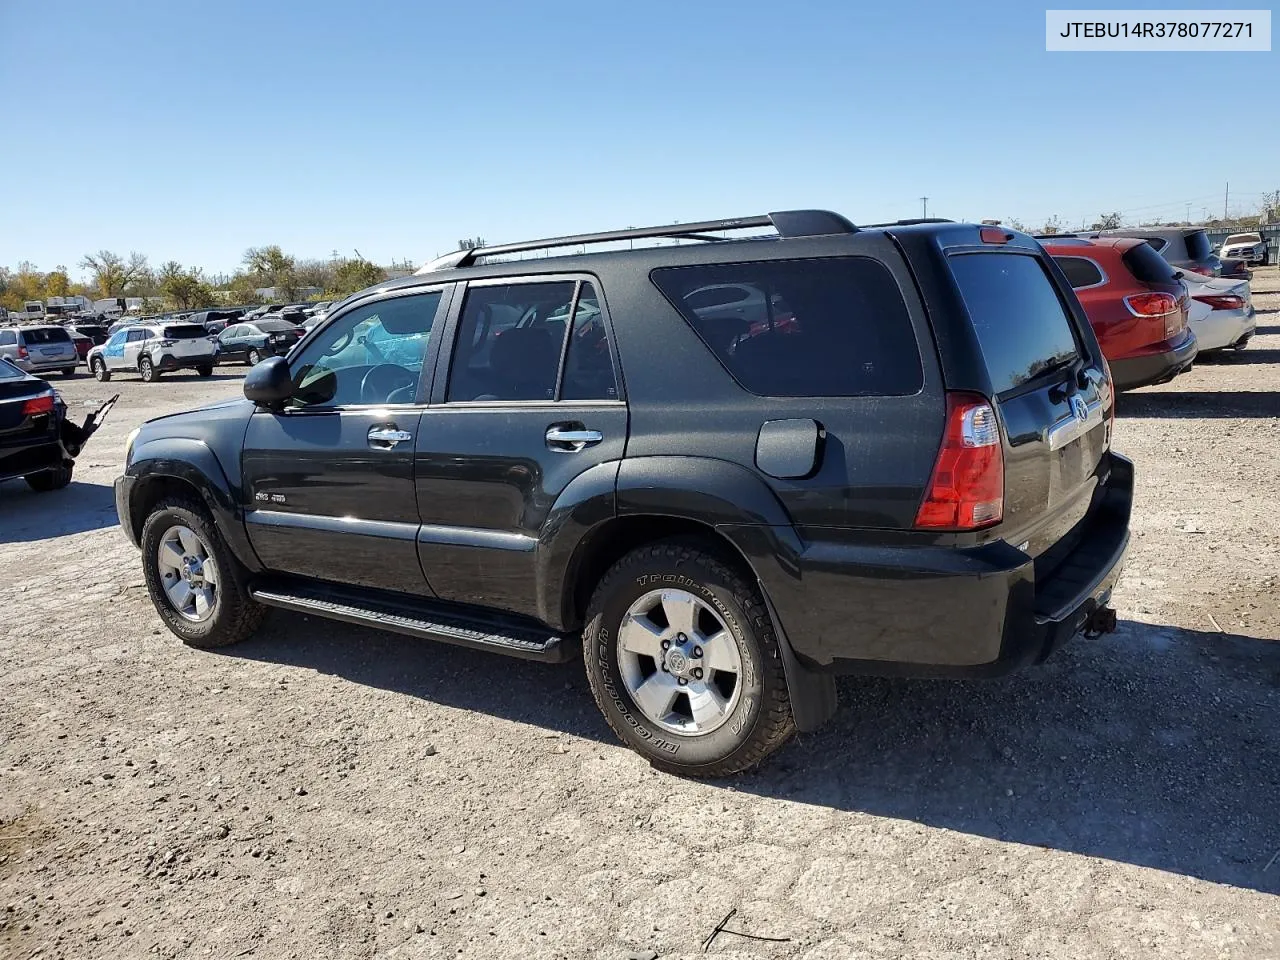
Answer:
(1102, 620)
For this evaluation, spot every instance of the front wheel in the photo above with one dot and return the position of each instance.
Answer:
(100, 371)
(205, 370)
(682, 660)
(148, 370)
(196, 583)
(254, 357)
(68, 371)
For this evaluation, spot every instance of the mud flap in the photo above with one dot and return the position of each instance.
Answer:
(813, 695)
(75, 437)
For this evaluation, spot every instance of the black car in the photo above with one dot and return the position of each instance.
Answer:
(722, 470)
(250, 342)
(37, 442)
(215, 321)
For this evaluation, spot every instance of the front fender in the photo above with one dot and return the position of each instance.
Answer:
(191, 462)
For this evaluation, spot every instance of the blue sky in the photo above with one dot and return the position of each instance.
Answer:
(193, 130)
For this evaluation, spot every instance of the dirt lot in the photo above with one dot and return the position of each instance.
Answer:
(322, 791)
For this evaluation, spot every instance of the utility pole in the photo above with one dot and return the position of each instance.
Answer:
(924, 208)
(1225, 195)
(1188, 214)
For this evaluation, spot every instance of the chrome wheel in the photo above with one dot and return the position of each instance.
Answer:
(188, 574)
(679, 662)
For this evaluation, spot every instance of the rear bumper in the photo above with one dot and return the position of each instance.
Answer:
(43, 365)
(167, 362)
(21, 459)
(939, 611)
(1224, 328)
(1129, 373)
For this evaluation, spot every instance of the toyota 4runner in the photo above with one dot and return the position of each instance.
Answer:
(724, 469)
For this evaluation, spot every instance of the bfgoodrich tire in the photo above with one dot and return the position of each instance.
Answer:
(683, 662)
(229, 614)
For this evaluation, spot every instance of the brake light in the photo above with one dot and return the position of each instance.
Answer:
(966, 491)
(1223, 302)
(1204, 271)
(22, 353)
(167, 343)
(994, 235)
(38, 405)
(1151, 304)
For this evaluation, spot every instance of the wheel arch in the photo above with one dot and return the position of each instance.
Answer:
(168, 467)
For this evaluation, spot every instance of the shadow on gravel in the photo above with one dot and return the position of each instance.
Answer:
(1236, 358)
(1193, 404)
(1263, 331)
(1155, 746)
(26, 515)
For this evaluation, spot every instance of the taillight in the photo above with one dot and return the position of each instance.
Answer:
(1156, 305)
(966, 491)
(1203, 271)
(22, 353)
(38, 405)
(167, 343)
(1224, 302)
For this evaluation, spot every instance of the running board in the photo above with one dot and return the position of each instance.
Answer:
(420, 618)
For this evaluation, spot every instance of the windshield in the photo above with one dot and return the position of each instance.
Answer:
(1244, 238)
(8, 371)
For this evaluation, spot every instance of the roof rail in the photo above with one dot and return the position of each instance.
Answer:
(788, 223)
(909, 222)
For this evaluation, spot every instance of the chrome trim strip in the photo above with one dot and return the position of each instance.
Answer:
(1069, 429)
(382, 529)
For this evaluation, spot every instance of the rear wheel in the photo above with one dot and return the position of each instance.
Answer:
(148, 370)
(100, 371)
(254, 358)
(47, 481)
(205, 371)
(197, 585)
(68, 371)
(683, 662)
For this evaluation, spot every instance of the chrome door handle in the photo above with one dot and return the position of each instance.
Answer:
(389, 436)
(565, 440)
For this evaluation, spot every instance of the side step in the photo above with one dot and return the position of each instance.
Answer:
(429, 620)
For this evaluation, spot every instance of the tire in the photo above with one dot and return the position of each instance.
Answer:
(148, 370)
(68, 371)
(46, 481)
(234, 614)
(205, 371)
(254, 357)
(757, 718)
(99, 369)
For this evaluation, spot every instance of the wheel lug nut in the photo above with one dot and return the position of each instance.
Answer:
(666, 644)
(697, 673)
(682, 681)
(697, 651)
(682, 638)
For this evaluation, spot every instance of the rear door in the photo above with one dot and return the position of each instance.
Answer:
(1049, 387)
(187, 341)
(532, 402)
(134, 341)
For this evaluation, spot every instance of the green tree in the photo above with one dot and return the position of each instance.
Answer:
(272, 267)
(112, 273)
(1108, 221)
(353, 275)
(186, 288)
(57, 283)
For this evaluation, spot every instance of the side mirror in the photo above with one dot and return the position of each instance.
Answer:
(269, 384)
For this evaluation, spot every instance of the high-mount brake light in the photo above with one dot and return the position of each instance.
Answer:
(966, 490)
(994, 235)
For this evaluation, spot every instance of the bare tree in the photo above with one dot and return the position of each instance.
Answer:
(112, 273)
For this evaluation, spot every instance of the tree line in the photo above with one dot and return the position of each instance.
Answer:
(174, 286)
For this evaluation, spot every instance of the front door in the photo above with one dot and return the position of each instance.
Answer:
(133, 343)
(531, 403)
(329, 479)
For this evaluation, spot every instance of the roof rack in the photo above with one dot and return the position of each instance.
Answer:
(909, 222)
(788, 223)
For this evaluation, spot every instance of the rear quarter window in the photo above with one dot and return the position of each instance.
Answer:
(1081, 272)
(833, 327)
(1022, 325)
(1198, 245)
(185, 331)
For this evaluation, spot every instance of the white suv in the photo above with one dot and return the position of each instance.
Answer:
(153, 349)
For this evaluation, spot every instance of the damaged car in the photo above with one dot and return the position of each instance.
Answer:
(37, 441)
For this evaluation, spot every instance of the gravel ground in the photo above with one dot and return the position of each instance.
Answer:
(322, 791)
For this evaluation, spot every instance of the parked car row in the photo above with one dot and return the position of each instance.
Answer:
(1155, 299)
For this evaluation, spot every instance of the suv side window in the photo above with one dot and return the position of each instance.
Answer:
(371, 355)
(588, 364)
(136, 335)
(1081, 272)
(509, 341)
(834, 327)
(8, 338)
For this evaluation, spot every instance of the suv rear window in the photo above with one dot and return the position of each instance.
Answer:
(46, 335)
(1198, 245)
(185, 331)
(1021, 323)
(1080, 271)
(801, 328)
(275, 326)
(1147, 266)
